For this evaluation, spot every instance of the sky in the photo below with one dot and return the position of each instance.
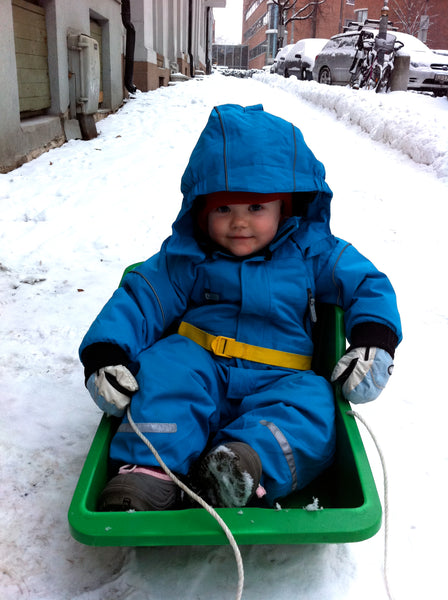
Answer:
(228, 22)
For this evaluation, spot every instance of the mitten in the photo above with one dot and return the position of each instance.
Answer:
(363, 373)
(111, 389)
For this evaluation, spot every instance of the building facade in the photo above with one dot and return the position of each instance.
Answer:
(172, 36)
(63, 64)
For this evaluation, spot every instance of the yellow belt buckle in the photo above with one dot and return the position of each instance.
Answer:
(218, 346)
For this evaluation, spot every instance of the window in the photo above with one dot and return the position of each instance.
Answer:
(252, 8)
(260, 49)
(348, 41)
(262, 22)
(362, 14)
(331, 44)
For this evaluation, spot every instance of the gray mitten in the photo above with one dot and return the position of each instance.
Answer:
(111, 389)
(363, 373)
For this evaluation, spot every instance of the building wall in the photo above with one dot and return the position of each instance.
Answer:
(168, 39)
(254, 32)
(24, 138)
(328, 19)
(438, 28)
(60, 22)
(203, 33)
(9, 103)
(437, 35)
(151, 70)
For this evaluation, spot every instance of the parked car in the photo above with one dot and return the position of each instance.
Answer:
(300, 59)
(279, 59)
(428, 71)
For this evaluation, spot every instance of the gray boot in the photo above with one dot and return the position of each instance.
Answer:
(139, 491)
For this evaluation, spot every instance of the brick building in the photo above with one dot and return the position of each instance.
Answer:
(261, 31)
(431, 23)
(260, 26)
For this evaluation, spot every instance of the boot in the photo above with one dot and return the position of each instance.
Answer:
(229, 475)
(139, 488)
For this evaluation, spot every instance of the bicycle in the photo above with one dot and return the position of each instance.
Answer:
(374, 62)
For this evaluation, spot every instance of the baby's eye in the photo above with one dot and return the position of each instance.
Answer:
(255, 207)
(223, 209)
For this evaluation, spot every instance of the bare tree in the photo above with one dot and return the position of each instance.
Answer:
(412, 15)
(298, 13)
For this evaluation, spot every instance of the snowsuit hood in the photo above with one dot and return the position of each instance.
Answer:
(249, 150)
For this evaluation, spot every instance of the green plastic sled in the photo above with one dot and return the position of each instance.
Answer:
(350, 509)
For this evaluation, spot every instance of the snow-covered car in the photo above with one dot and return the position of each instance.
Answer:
(428, 71)
(280, 59)
(300, 59)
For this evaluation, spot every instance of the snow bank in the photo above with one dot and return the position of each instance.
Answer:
(412, 123)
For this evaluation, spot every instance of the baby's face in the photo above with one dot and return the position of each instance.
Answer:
(243, 229)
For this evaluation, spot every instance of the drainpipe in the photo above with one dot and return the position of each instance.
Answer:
(190, 35)
(314, 22)
(208, 61)
(130, 45)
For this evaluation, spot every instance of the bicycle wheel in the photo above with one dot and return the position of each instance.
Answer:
(372, 77)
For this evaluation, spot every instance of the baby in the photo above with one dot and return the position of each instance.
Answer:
(212, 336)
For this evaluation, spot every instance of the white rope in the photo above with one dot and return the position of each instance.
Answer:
(227, 531)
(199, 500)
(386, 500)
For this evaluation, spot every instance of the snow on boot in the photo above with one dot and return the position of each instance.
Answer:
(139, 488)
(229, 474)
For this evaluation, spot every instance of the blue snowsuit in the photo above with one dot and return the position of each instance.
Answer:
(188, 396)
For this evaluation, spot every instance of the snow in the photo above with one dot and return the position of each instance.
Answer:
(72, 219)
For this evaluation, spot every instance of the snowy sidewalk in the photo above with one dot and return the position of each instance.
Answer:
(72, 219)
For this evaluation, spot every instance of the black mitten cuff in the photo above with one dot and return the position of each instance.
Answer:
(374, 334)
(102, 354)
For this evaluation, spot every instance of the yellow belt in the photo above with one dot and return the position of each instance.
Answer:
(230, 348)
